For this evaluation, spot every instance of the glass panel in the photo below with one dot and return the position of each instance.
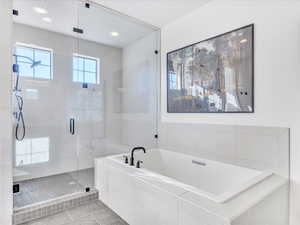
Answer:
(25, 69)
(90, 65)
(85, 69)
(40, 145)
(48, 153)
(23, 53)
(78, 76)
(40, 157)
(90, 78)
(105, 118)
(43, 56)
(23, 160)
(78, 63)
(43, 72)
(32, 151)
(75, 76)
(108, 117)
(23, 147)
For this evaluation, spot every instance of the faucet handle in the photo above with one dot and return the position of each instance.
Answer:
(125, 158)
(138, 163)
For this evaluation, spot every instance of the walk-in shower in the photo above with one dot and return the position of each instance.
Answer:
(85, 82)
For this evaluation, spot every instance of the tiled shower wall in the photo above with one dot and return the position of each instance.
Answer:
(264, 148)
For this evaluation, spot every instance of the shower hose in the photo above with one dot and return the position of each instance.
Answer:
(20, 126)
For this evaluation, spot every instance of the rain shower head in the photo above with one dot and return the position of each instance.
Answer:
(35, 63)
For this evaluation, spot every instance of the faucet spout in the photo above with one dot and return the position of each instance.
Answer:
(132, 154)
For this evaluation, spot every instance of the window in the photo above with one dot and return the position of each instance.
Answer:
(85, 69)
(172, 80)
(27, 54)
(31, 151)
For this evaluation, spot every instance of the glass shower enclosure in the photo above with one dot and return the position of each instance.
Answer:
(85, 86)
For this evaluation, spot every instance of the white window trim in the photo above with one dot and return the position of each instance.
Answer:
(21, 44)
(90, 57)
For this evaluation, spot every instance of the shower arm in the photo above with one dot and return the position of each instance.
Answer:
(16, 67)
(33, 63)
(25, 57)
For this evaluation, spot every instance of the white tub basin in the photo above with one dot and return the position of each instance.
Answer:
(216, 181)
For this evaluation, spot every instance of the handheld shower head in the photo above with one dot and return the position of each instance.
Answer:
(20, 127)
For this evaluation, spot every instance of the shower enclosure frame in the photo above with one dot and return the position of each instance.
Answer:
(74, 132)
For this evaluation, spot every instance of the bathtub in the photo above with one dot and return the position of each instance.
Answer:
(214, 180)
(166, 180)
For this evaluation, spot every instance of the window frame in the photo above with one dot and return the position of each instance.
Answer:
(86, 57)
(36, 47)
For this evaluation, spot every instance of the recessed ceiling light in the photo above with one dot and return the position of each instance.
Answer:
(114, 34)
(243, 41)
(40, 10)
(47, 19)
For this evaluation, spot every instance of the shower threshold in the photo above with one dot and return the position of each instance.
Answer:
(54, 206)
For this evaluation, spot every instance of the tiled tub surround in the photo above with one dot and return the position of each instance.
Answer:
(178, 203)
(262, 148)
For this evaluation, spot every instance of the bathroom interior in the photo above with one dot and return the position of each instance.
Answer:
(96, 96)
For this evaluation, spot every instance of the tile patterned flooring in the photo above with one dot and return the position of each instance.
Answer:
(46, 188)
(94, 213)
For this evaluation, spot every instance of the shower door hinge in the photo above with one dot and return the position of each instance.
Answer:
(16, 188)
(15, 12)
(77, 30)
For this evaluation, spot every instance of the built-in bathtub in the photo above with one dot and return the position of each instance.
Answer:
(173, 183)
(214, 180)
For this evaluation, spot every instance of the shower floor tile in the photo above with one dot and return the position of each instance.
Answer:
(95, 213)
(47, 188)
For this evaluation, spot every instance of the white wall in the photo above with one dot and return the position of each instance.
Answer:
(5, 114)
(277, 67)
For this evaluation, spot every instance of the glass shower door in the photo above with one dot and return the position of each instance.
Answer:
(46, 159)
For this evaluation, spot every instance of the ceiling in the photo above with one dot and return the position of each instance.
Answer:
(155, 12)
(97, 22)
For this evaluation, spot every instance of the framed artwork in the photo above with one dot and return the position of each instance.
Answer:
(213, 76)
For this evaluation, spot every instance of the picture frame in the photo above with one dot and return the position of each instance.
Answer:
(215, 75)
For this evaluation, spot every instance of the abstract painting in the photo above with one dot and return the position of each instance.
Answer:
(213, 76)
